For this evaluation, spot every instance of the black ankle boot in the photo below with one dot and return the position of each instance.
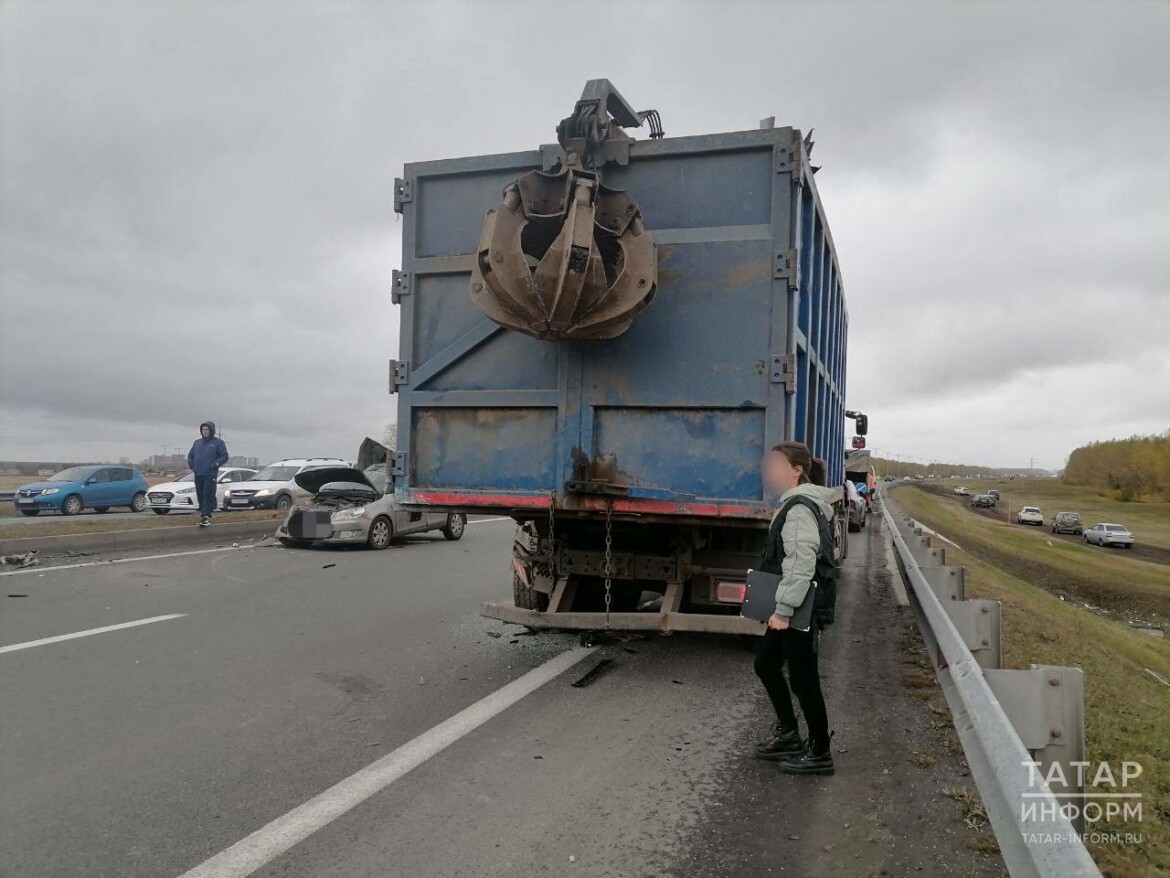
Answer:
(784, 743)
(816, 759)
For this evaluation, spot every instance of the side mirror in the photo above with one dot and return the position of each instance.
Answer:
(858, 442)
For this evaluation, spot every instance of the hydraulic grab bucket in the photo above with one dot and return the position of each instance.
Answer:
(564, 256)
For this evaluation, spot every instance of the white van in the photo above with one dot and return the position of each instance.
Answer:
(273, 487)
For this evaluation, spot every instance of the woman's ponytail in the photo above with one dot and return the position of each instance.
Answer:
(816, 472)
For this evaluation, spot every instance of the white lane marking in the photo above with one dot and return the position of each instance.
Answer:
(168, 555)
(266, 844)
(126, 560)
(89, 633)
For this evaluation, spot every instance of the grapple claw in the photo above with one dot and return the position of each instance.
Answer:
(564, 257)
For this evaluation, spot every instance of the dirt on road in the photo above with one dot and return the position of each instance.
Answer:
(901, 802)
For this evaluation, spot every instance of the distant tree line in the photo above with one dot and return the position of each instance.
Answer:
(900, 468)
(1134, 467)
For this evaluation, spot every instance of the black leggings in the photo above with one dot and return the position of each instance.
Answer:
(797, 649)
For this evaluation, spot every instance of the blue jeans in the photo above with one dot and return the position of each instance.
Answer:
(205, 493)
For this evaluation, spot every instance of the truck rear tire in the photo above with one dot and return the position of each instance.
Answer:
(526, 597)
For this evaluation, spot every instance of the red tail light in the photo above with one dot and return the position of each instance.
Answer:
(730, 592)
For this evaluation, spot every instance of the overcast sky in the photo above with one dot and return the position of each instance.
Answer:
(196, 217)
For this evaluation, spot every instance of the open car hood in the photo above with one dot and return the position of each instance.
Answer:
(313, 480)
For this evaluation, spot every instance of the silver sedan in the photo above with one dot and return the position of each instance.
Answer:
(1109, 535)
(351, 507)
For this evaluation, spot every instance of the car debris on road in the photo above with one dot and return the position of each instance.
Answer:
(28, 559)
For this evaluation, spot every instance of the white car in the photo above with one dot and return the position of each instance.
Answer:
(179, 495)
(273, 487)
(1030, 515)
(962, 491)
(1106, 535)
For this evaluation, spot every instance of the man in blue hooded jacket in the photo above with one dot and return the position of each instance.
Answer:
(206, 456)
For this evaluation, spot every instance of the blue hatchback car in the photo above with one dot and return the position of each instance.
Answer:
(82, 487)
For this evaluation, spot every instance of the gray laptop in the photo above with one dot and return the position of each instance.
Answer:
(759, 600)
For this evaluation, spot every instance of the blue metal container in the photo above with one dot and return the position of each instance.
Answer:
(742, 347)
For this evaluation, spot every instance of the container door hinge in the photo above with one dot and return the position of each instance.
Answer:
(784, 371)
(399, 286)
(403, 192)
(787, 159)
(786, 264)
(398, 464)
(399, 374)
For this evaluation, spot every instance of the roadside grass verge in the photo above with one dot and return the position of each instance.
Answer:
(1127, 710)
(1109, 580)
(146, 521)
(1148, 519)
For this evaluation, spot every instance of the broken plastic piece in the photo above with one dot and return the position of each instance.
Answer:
(592, 673)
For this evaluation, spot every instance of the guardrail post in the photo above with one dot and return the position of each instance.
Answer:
(1046, 706)
(948, 582)
(979, 624)
(1023, 731)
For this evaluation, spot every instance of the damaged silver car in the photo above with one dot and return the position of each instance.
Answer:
(352, 507)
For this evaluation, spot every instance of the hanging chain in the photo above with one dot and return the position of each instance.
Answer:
(552, 536)
(608, 557)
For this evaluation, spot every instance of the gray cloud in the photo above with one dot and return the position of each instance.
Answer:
(195, 212)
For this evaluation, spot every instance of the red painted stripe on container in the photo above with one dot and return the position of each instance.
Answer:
(621, 504)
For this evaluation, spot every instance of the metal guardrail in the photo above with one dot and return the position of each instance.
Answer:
(7, 496)
(1013, 724)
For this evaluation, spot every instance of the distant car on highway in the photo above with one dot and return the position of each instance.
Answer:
(962, 491)
(1109, 535)
(84, 487)
(982, 501)
(993, 494)
(1030, 515)
(353, 507)
(273, 487)
(857, 507)
(179, 495)
(1067, 523)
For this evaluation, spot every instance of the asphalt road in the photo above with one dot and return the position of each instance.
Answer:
(149, 750)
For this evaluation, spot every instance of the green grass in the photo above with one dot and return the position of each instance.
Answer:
(1127, 711)
(1149, 520)
(1114, 580)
